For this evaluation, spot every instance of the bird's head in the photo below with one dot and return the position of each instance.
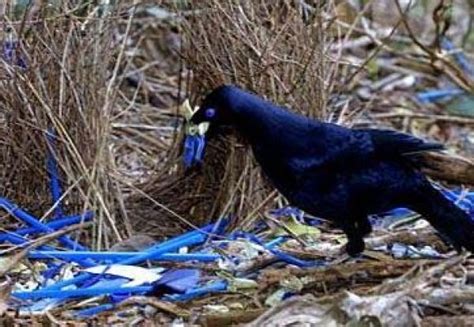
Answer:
(215, 111)
(216, 108)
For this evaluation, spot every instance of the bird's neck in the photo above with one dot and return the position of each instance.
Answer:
(255, 117)
(261, 121)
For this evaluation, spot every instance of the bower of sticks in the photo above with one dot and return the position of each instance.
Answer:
(91, 143)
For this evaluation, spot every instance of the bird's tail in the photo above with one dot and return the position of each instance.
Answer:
(446, 217)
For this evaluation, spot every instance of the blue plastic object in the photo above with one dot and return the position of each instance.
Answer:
(287, 211)
(34, 222)
(53, 270)
(89, 312)
(437, 95)
(285, 257)
(79, 292)
(275, 242)
(214, 287)
(52, 167)
(440, 94)
(11, 54)
(153, 253)
(67, 282)
(18, 240)
(179, 281)
(459, 56)
(121, 256)
(55, 224)
(194, 146)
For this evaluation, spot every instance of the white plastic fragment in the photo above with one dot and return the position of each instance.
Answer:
(137, 275)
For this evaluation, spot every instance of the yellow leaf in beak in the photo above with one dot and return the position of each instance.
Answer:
(186, 110)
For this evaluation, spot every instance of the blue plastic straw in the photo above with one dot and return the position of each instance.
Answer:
(52, 167)
(121, 256)
(193, 240)
(32, 221)
(435, 95)
(201, 232)
(18, 240)
(55, 224)
(84, 313)
(276, 241)
(79, 292)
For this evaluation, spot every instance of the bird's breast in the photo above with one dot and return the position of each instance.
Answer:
(275, 166)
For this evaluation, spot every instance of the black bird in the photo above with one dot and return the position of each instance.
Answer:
(337, 173)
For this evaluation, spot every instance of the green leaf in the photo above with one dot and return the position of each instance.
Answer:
(462, 105)
(297, 229)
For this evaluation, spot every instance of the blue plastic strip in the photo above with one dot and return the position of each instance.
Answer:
(277, 241)
(120, 256)
(55, 224)
(200, 147)
(89, 312)
(32, 221)
(147, 255)
(53, 270)
(285, 257)
(53, 171)
(188, 152)
(10, 53)
(436, 95)
(460, 57)
(80, 292)
(18, 240)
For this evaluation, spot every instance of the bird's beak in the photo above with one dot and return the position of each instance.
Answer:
(192, 128)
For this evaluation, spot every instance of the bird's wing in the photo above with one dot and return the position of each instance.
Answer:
(328, 145)
(388, 142)
(334, 146)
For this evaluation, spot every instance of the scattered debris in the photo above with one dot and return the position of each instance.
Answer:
(80, 283)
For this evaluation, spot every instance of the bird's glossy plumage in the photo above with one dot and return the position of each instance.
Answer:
(334, 172)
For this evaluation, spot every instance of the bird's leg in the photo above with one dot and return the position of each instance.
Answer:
(363, 226)
(355, 242)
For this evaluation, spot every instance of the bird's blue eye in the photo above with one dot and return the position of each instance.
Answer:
(210, 112)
